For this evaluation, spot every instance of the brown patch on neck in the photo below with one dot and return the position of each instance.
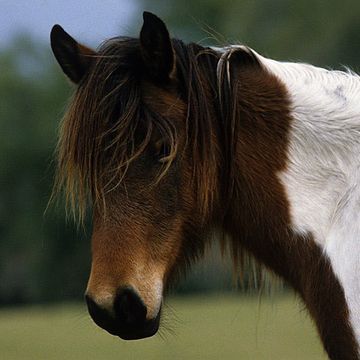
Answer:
(258, 218)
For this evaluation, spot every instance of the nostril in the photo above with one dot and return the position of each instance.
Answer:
(129, 307)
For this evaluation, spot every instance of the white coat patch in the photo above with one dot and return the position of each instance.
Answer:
(322, 179)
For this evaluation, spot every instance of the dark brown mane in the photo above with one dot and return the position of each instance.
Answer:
(108, 124)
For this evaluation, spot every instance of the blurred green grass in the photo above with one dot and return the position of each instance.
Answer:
(198, 327)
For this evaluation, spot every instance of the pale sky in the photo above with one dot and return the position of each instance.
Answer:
(89, 21)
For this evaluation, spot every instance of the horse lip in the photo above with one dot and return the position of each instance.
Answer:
(137, 334)
(148, 329)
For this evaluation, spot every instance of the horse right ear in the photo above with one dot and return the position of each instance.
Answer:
(74, 58)
(156, 48)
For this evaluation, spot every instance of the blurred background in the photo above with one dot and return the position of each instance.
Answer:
(45, 260)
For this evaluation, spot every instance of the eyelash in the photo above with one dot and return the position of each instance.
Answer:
(163, 152)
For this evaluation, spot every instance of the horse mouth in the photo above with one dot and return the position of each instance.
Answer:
(148, 329)
(136, 332)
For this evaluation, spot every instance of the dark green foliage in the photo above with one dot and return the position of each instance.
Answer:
(324, 33)
(40, 256)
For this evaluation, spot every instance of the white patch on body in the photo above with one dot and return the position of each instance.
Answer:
(322, 179)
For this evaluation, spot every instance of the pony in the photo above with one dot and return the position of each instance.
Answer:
(167, 143)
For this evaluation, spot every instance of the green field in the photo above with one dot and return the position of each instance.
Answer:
(207, 327)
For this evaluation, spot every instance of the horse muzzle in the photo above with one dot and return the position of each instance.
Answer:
(126, 318)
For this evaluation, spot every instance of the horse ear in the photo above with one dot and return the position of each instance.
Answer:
(74, 58)
(157, 51)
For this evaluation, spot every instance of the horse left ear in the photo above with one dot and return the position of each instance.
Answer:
(157, 51)
(74, 58)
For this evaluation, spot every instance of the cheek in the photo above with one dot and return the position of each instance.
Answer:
(165, 241)
(168, 197)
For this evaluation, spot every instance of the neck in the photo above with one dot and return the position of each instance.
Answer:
(258, 121)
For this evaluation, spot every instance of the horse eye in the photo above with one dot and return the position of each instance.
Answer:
(163, 152)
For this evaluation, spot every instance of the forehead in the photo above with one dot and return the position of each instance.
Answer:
(166, 101)
(119, 72)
